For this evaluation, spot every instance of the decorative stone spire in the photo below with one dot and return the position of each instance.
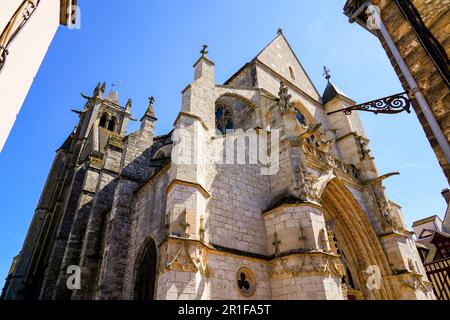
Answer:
(150, 113)
(96, 92)
(103, 88)
(128, 105)
(99, 90)
(148, 120)
(204, 68)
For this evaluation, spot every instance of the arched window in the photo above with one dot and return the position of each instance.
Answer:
(146, 273)
(224, 118)
(301, 118)
(291, 71)
(103, 121)
(112, 124)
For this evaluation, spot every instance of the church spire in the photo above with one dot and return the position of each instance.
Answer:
(150, 113)
(148, 121)
(331, 90)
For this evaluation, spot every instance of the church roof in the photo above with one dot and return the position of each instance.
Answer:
(278, 56)
(332, 91)
(67, 142)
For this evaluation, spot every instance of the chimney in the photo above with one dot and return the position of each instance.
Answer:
(446, 194)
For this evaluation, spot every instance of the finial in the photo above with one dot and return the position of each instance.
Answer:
(326, 73)
(204, 52)
(150, 112)
(96, 90)
(280, 31)
(116, 85)
(151, 100)
(103, 88)
(129, 104)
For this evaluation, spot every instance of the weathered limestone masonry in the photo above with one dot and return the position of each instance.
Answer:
(426, 19)
(255, 194)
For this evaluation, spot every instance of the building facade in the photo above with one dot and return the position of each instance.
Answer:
(256, 193)
(27, 28)
(433, 244)
(416, 37)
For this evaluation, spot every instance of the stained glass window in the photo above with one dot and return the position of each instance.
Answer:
(301, 118)
(224, 119)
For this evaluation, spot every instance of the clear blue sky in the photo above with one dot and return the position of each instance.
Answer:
(150, 46)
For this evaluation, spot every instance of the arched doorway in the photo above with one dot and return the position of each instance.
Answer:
(146, 272)
(355, 241)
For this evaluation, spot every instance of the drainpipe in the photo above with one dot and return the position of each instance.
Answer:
(423, 104)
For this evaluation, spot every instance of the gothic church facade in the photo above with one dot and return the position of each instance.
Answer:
(312, 222)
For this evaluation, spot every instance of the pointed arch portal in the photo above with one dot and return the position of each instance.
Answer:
(356, 241)
(146, 272)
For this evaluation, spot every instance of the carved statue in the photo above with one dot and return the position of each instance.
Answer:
(284, 102)
(323, 144)
(201, 230)
(276, 243)
(307, 188)
(388, 218)
(323, 240)
(364, 150)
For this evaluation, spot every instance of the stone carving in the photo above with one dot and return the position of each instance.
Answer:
(166, 225)
(417, 283)
(323, 144)
(183, 260)
(310, 133)
(284, 102)
(363, 148)
(323, 240)
(301, 264)
(201, 230)
(388, 219)
(184, 226)
(200, 260)
(302, 238)
(276, 243)
(96, 92)
(96, 160)
(330, 231)
(411, 265)
(115, 141)
(307, 188)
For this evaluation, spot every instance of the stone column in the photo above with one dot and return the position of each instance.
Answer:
(90, 258)
(186, 193)
(70, 196)
(303, 264)
(408, 271)
(111, 278)
(75, 240)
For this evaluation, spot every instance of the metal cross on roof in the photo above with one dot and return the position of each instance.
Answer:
(204, 52)
(326, 73)
(116, 85)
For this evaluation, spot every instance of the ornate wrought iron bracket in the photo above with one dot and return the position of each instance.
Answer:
(16, 23)
(393, 104)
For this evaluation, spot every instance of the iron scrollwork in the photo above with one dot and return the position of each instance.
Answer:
(21, 16)
(392, 104)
